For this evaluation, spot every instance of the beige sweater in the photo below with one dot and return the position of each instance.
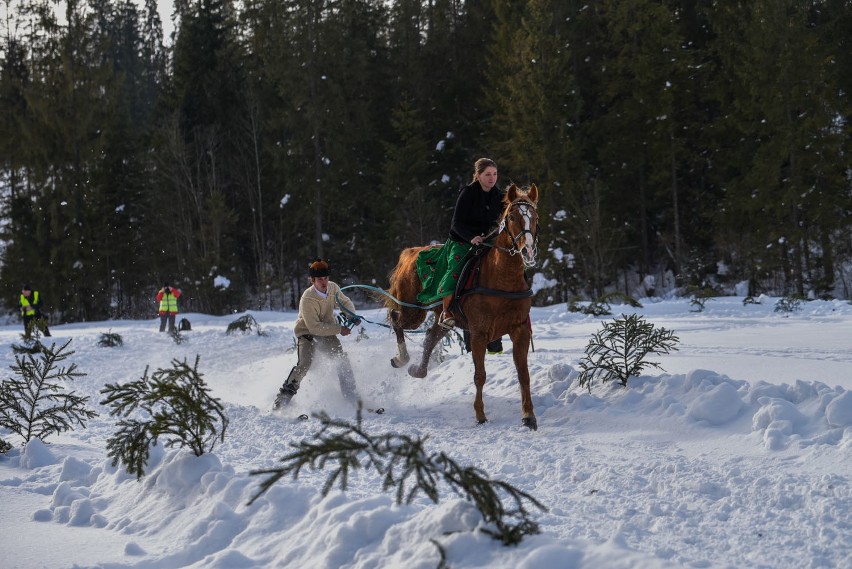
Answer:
(316, 314)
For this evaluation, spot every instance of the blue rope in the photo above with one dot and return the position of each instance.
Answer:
(354, 317)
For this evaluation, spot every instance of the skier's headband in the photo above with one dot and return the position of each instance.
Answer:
(318, 268)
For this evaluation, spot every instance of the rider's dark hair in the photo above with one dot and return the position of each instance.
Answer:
(318, 268)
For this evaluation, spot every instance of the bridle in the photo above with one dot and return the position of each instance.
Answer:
(526, 209)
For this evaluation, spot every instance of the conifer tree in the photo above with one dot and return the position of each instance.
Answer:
(637, 134)
(777, 80)
(35, 404)
(326, 65)
(620, 350)
(535, 106)
(16, 205)
(172, 404)
(411, 215)
(198, 199)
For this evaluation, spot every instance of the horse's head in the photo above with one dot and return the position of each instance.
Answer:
(520, 222)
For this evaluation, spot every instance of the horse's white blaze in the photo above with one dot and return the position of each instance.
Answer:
(528, 252)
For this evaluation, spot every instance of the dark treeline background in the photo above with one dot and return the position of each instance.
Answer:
(693, 141)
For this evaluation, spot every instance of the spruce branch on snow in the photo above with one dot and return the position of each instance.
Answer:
(33, 404)
(30, 342)
(601, 306)
(245, 324)
(790, 303)
(409, 470)
(173, 403)
(619, 350)
(176, 336)
(110, 340)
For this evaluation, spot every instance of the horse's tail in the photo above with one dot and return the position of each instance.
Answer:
(404, 282)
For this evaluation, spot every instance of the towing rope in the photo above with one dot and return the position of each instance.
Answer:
(352, 317)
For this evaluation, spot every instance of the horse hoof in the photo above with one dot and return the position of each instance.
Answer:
(482, 421)
(397, 362)
(530, 423)
(417, 371)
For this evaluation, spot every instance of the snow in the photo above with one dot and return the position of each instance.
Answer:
(736, 455)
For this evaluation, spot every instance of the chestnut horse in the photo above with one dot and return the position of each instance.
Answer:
(500, 303)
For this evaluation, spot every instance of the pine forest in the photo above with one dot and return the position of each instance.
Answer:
(677, 144)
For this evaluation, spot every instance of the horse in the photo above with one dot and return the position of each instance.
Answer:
(500, 303)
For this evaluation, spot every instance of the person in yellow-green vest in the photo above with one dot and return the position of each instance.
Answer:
(167, 297)
(30, 304)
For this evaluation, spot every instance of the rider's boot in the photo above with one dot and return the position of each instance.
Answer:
(447, 320)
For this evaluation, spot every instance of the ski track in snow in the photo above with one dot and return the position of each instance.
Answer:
(692, 469)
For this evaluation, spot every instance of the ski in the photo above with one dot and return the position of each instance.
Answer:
(377, 411)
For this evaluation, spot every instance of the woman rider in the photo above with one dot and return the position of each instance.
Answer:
(477, 210)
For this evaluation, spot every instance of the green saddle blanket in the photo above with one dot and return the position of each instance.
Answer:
(439, 268)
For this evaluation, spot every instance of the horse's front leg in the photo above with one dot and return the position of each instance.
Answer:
(433, 335)
(402, 356)
(520, 348)
(478, 344)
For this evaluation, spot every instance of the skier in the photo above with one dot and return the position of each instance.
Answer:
(317, 329)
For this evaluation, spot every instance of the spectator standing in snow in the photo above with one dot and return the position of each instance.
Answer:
(317, 329)
(30, 304)
(168, 297)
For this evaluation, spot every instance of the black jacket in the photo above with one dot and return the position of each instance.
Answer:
(476, 212)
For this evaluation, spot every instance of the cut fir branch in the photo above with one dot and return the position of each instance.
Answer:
(33, 405)
(110, 340)
(174, 404)
(245, 324)
(619, 350)
(407, 469)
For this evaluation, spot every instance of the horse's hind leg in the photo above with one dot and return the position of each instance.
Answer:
(434, 334)
(402, 356)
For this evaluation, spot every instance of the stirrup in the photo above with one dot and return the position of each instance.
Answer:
(447, 321)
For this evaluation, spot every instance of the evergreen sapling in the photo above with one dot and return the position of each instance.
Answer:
(174, 404)
(619, 350)
(110, 340)
(34, 404)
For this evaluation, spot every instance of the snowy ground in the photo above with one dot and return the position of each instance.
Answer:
(737, 455)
